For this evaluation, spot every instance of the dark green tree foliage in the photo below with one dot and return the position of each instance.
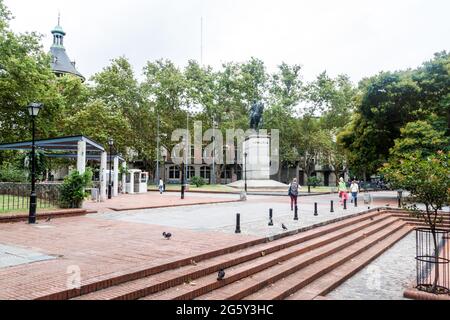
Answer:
(388, 102)
(25, 76)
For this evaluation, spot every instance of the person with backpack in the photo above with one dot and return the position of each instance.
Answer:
(293, 193)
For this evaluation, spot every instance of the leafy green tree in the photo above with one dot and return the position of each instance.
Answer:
(25, 76)
(333, 99)
(388, 102)
(428, 181)
(97, 121)
(419, 136)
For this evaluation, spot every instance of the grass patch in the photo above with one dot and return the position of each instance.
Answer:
(15, 205)
(214, 187)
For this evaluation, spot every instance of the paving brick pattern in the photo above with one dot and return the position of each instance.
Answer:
(128, 260)
(101, 249)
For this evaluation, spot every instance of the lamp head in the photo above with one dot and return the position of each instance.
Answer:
(110, 141)
(34, 108)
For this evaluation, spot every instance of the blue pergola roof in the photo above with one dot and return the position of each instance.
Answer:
(56, 144)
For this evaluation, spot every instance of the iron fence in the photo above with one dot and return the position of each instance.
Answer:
(432, 259)
(16, 196)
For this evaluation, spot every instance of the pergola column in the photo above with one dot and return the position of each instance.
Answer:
(132, 191)
(81, 157)
(124, 178)
(103, 195)
(116, 177)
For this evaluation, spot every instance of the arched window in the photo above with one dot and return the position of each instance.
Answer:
(205, 172)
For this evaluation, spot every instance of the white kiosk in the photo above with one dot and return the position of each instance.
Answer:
(136, 181)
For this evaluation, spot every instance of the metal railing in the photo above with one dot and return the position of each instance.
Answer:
(432, 258)
(16, 196)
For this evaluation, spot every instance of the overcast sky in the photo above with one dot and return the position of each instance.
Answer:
(356, 37)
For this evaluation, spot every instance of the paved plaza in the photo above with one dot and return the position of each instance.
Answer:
(116, 242)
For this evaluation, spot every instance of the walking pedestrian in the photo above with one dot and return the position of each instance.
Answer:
(342, 188)
(354, 188)
(293, 193)
(161, 186)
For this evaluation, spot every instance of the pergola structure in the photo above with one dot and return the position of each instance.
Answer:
(85, 148)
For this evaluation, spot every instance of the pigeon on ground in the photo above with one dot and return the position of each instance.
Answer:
(220, 275)
(167, 235)
(284, 227)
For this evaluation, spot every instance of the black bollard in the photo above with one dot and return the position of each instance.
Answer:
(399, 202)
(345, 204)
(182, 191)
(296, 213)
(356, 202)
(316, 213)
(332, 206)
(270, 217)
(238, 223)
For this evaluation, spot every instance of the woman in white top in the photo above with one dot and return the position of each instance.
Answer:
(354, 188)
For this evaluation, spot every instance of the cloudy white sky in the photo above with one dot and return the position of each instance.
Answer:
(356, 37)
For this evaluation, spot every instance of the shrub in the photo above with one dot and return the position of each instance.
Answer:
(314, 182)
(198, 181)
(9, 173)
(73, 190)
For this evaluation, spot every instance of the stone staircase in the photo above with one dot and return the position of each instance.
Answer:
(306, 265)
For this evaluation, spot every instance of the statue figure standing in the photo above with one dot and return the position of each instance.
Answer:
(256, 114)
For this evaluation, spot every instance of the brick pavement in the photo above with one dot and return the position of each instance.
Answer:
(100, 248)
(154, 200)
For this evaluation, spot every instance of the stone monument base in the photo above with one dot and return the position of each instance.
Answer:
(260, 185)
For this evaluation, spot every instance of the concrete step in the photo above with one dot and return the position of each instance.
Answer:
(294, 258)
(330, 281)
(157, 282)
(307, 276)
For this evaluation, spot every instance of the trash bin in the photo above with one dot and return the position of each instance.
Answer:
(367, 198)
(95, 194)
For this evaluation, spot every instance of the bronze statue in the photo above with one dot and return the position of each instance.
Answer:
(256, 114)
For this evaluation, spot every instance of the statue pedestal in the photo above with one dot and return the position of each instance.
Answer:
(257, 165)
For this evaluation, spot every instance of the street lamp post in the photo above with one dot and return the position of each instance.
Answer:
(111, 143)
(164, 171)
(33, 110)
(245, 170)
(157, 154)
(213, 173)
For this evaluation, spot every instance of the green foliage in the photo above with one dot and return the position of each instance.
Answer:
(388, 102)
(333, 99)
(198, 181)
(420, 136)
(73, 190)
(427, 179)
(24, 163)
(25, 76)
(314, 181)
(10, 173)
(97, 121)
